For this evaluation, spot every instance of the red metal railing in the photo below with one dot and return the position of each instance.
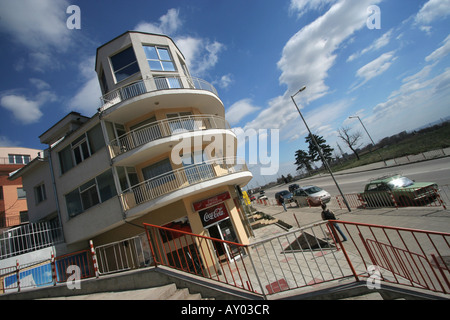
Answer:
(310, 255)
(81, 259)
(411, 257)
(208, 257)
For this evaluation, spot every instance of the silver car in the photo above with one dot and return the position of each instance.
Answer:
(311, 196)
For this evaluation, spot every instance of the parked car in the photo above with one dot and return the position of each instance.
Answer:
(385, 190)
(286, 195)
(311, 196)
(293, 187)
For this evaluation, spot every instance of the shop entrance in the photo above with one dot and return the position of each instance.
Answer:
(224, 230)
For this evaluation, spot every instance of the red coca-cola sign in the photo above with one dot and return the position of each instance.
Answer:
(211, 201)
(213, 214)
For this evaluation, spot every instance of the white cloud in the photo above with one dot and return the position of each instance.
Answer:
(168, 24)
(440, 52)
(36, 24)
(375, 68)
(306, 59)
(433, 10)
(376, 45)
(39, 84)
(201, 54)
(421, 99)
(302, 6)
(225, 81)
(39, 27)
(310, 53)
(7, 142)
(87, 98)
(239, 110)
(24, 110)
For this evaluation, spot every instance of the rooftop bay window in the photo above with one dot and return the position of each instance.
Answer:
(124, 64)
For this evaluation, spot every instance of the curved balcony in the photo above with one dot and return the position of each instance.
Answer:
(180, 179)
(164, 128)
(151, 85)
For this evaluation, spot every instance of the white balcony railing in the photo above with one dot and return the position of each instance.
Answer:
(165, 128)
(180, 178)
(153, 84)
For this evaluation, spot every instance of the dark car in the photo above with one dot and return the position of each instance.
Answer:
(293, 187)
(288, 197)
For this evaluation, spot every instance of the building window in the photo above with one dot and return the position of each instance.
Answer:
(21, 194)
(81, 148)
(39, 193)
(23, 216)
(124, 64)
(93, 192)
(159, 58)
(18, 158)
(158, 173)
(89, 194)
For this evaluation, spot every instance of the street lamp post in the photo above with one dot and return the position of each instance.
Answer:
(318, 148)
(373, 143)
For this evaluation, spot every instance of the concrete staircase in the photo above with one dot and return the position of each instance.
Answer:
(167, 292)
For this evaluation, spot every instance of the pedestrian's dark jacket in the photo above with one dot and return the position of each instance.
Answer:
(328, 215)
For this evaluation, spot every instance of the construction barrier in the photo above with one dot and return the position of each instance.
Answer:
(25, 276)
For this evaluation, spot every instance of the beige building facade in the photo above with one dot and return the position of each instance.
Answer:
(158, 151)
(13, 203)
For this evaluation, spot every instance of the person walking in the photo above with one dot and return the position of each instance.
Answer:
(281, 199)
(329, 215)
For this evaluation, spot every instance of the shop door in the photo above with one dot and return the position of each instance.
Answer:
(224, 230)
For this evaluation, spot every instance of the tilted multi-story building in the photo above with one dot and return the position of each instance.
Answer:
(159, 151)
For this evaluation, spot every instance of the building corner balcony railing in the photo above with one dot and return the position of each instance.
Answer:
(164, 128)
(153, 84)
(179, 179)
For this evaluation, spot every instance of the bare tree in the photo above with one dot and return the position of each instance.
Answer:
(351, 139)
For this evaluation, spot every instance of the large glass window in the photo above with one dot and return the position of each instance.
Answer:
(89, 194)
(93, 192)
(124, 64)
(159, 58)
(157, 169)
(106, 186)
(81, 148)
(18, 158)
(40, 194)
(161, 171)
(95, 137)
(21, 194)
(73, 203)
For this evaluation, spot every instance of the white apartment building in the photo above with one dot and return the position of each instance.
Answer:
(158, 151)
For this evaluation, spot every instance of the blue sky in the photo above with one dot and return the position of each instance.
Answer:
(256, 53)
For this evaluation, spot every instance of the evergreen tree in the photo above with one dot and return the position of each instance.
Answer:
(327, 151)
(303, 160)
